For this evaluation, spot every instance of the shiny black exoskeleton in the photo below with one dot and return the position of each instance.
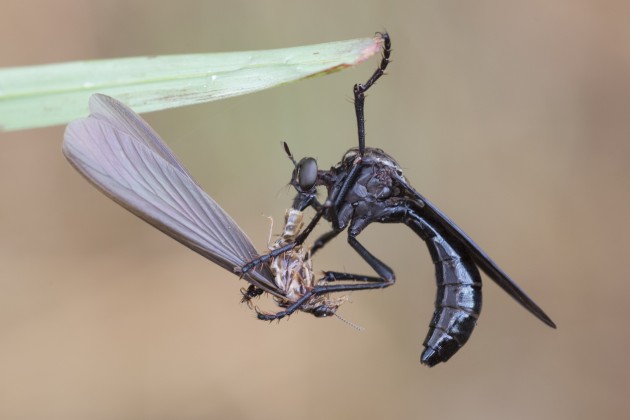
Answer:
(368, 186)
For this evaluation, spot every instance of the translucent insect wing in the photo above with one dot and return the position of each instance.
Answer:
(123, 157)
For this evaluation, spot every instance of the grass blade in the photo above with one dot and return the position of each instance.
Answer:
(52, 94)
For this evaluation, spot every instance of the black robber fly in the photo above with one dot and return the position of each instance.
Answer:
(368, 186)
(124, 158)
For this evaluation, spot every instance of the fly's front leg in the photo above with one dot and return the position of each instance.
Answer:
(334, 201)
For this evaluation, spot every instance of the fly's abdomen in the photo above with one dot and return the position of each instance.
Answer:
(458, 300)
(457, 307)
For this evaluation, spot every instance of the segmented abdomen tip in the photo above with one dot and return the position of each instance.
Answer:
(430, 357)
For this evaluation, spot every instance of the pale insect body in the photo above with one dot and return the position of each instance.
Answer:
(293, 270)
(293, 273)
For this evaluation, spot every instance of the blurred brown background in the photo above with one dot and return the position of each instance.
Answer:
(513, 117)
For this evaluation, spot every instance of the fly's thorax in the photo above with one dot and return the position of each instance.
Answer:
(378, 179)
(375, 189)
(371, 156)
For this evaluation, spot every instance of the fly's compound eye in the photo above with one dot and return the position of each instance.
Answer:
(306, 174)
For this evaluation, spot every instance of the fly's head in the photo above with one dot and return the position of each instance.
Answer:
(305, 178)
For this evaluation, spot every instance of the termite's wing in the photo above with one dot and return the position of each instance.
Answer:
(482, 259)
(124, 158)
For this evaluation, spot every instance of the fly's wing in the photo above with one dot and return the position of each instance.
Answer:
(482, 259)
(123, 157)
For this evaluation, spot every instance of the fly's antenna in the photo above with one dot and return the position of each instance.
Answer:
(293, 181)
(288, 152)
(353, 325)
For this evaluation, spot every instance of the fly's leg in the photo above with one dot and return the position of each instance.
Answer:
(361, 88)
(322, 290)
(323, 240)
(330, 276)
(359, 105)
(333, 203)
(359, 101)
(384, 272)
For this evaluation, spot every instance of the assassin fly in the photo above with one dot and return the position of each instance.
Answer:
(368, 186)
(121, 155)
